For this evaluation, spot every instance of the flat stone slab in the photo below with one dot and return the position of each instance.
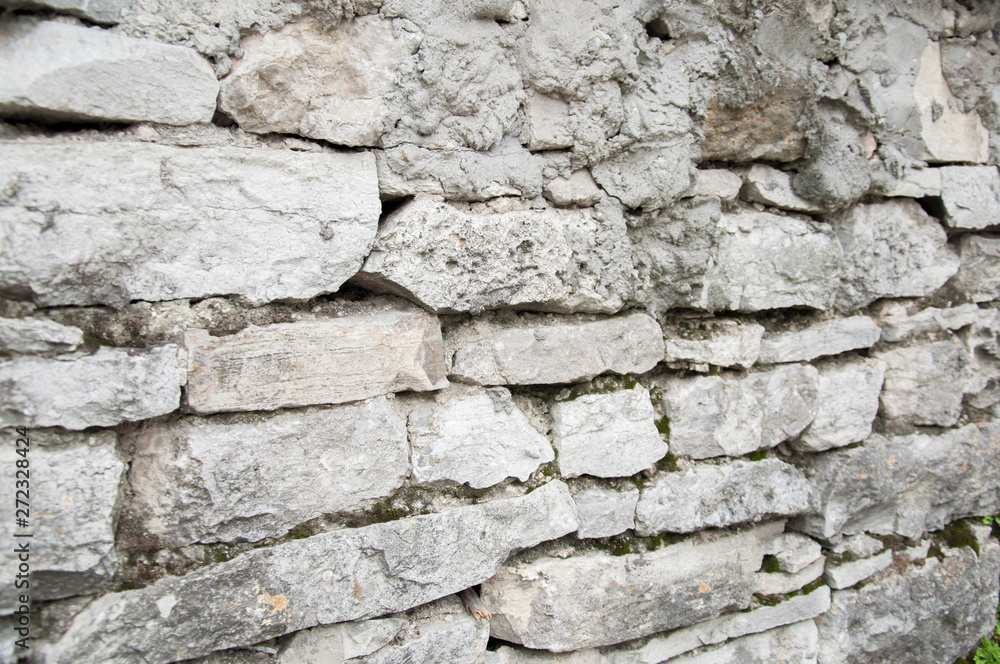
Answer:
(897, 327)
(605, 512)
(328, 578)
(971, 196)
(917, 183)
(782, 583)
(715, 182)
(267, 224)
(299, 364)
(793, 643)
(37, 335)
(797, 552)
(924, 383)
(830, 337)
(770, 186)
(852, 573)
(716, 342)
(847, 402)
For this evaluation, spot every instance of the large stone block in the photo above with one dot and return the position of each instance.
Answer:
(299, 364)
(550, 350)
(924, 383)
(794, 644)
(830, 337)
(38, 335)
(106, 223)
(978, 277)
(104, 389)
(716, 342)
(847, 401)
(57, 71)
(332, 577)
(452, 261)
(971, 196)
(900, 326)
(250, 477)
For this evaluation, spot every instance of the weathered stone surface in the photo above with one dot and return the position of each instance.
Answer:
(69, 72)
(899, 326)
(649, 177)
(724, 628)
(891, 249)
(782, 583)
(598, 599)
(847, 574)
(860, 546)
(533, 351)
(928, 614)
(718, 342)
(773, 187)
(98, 11)
(830, 337)
(332, 577)
(906, 484)
(709, 496)
(299, 364)
(223, 479)
(546, 260)
(971, 196)
(693, 255)
(606, 435)
(577, 190)
(847, 402)
(508, 655)
(292, 81)
(917, 183)
(104, 389)
(731, 415)
(75, 497)
(605, 512)
(794, 644)
(475, 436)
(797, 552)
(979, 276)
(548, 122)
(924, 383)
(333, 644)
(266, 225)
(38, 335)
(715, 182)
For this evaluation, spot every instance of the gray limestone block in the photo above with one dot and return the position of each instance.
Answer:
(452, 261)
(597, 599)
(474, 436)
(924, 383)
(332, 577)
(550, 350)
(98, 11)
(508, 655)
(342, 641)
(66, 72)
(767, 185)
(830, 337)
(717, 496)
(847, 402)
(782, 583)
(927, 613)
(717, 342)
(75, 495)
(917, 183)
(794, 552)
(228, 478)
(978, 277)
(860, 546)
(606, 435)
(906, 485)
(549, 122)
(315, 362)
(605, 512)
(793, 644)
(104, 389)
(715, 182)
(649, 176)
(971, 196)
(106, 223)
(847, 574)
(38, 335)
(900, 326)
(577, 190)
(891, 249)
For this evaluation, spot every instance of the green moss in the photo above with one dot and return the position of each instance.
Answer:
(668, 463)
(770, 565)
(621, 545)
(602, 385)
(663, 426)
(300, 531)
(759, 455)
(769, 600)
(958, 534)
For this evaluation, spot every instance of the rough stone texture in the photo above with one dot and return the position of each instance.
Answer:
(917, 183)
(928, 614)
(971, 196)
(98, 11)
(299, 364)
(693, 255)
(224, 478)
(794, 644)
(332, 577)
(180, 222)
(508, 655)
(648, 177)
(475, 436)
(851, 573)
(734, 415)
(718, 342)
(715, 182)
(577, 190)
(69, 72)
(978, 277)
(548, 122)
(860, 546)
(598, 599)
(344, 641)
(773, 187)
(549, 350)
(546, 260)
(73, 515)
(606, 435)
(797, 552)
(605, 512)
(104, 389)
(38, 335)
(709, 496)
(891, 249)
(906, 485)
(830, 337)
(782, 583)
(900, 326)
(848, 400)
(924, 383)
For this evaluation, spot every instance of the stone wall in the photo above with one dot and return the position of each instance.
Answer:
(659, 331)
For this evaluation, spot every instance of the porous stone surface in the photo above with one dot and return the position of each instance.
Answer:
(907, 485)
(452, 261)
(649, 176)
(830, 337)
(63, 72)
(548, 350)
(474, 436)
(717, 342)
(847, 401)
(605, 512)
(332, 577)
(72, 516)
(770, 186)
(847, 574)
(782, 583)
(590, 600)
(104, 389)
(796, 643)
(924, 383)
(900, 326)
(98, 11)
(978, 277)
(38, 335)
(267, 224)
(716, 496)
(971, 196)
(224, 478)
(606, 435)
(299, 364)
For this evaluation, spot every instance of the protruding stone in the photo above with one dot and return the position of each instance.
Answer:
(715, 182)
(715, 342)
(917, 183)
(57, 72)
(38, 335)
(545, 260)
(548, 123)
(300, 364)
(897, 327)
(782, 583)
(796, 552)
(550, 350)
(847, 402)
(924, 384)
(773, 187)
(847, 574)
(830, 337)
(578, 190)
(859, 546)
(606, 435)
(104, 389)
(605, 512)
(971, 196)
(649, 176)
(979, 276)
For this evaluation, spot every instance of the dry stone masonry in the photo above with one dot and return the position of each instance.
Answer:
(500, 331)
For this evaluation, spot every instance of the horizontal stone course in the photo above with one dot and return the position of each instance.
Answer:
(830, 337)
(36, 335)
(718, 342)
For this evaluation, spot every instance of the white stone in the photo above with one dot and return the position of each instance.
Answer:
(782, 583)
(605, 512)
(794, 644)
(606, 435)
(860, 546)
(548, 122)
(830, 337)
(717, 342)
(796, 552)
(979, 276)
(38, 335)
(917, 183)
(897, 327)
(715, 182)
(847, 402)
(770, 186)
(578, 190)
(971, 196)
(924, 383)
(845, 575)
